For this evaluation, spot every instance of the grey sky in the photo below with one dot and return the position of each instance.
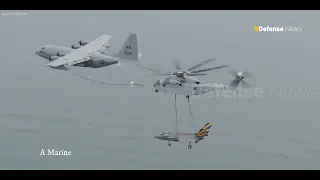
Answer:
(109, 127)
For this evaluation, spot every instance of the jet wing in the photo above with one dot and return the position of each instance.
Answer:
(82, 54)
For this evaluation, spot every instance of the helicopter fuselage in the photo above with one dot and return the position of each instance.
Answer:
(190, 87)
(176, 80)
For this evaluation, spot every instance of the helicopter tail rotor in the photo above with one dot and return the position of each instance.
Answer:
(239, 78)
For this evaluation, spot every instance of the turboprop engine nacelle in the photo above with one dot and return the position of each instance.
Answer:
(61, 54)
(75, 46)
(52, 58)
(82, 43)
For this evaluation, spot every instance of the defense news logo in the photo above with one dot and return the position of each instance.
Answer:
(277, 29)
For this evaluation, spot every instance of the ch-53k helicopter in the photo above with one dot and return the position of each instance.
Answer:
(184, 76)
(181, 82)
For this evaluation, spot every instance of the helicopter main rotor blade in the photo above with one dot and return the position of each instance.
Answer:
(155, 75)
(196, 74)
(209, 69)
(201, 64)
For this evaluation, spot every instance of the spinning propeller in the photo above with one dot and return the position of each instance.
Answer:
(239, 78)
(191, 71)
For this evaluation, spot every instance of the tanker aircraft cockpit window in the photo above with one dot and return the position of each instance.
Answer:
(42, 50)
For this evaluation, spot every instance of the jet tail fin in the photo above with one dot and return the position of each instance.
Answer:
(129, 50)
(205, 130)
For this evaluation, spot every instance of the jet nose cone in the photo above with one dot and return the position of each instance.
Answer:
(37, 51)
